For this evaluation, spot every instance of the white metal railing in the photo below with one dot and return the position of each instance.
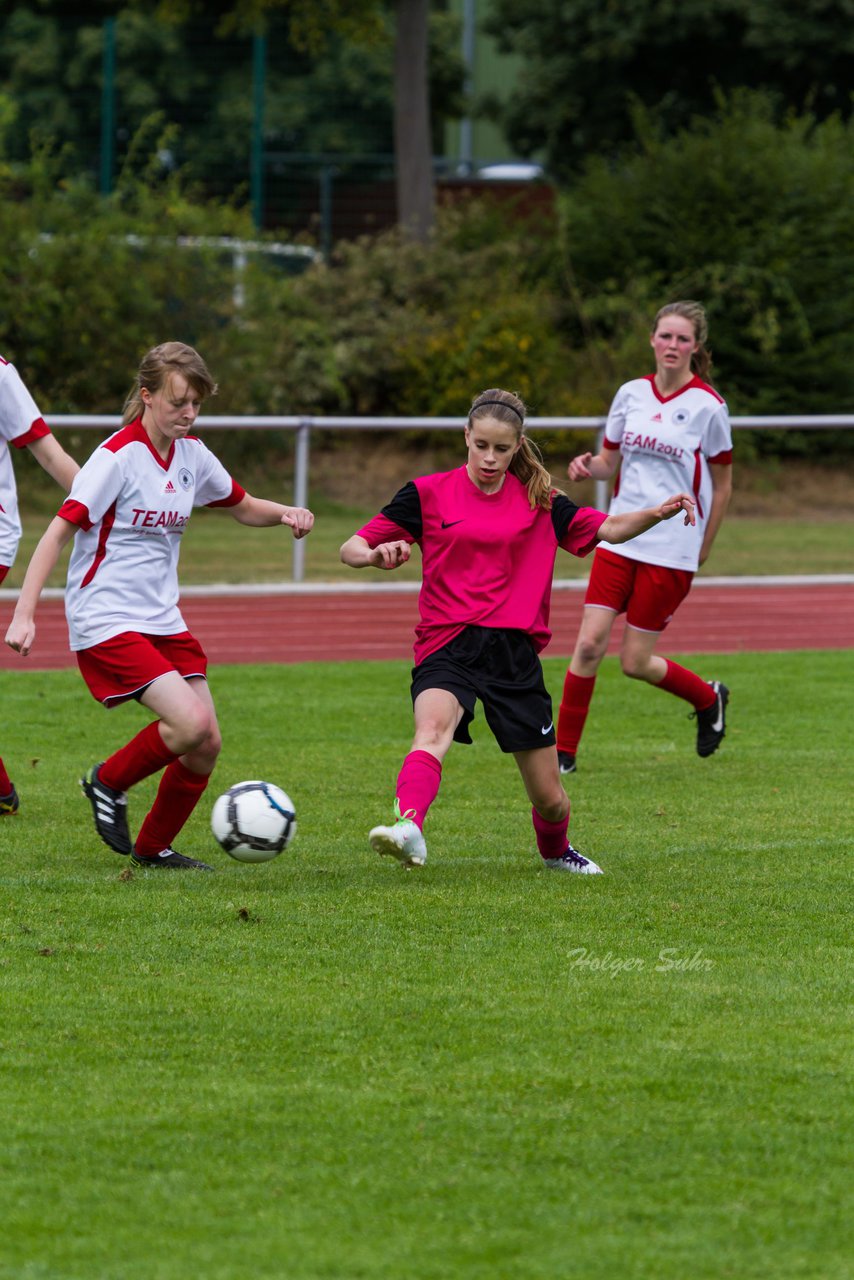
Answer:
(304, 424)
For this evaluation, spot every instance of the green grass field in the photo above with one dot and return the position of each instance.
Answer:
(327, 1067)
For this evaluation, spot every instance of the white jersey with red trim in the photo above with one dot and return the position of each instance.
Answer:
(20, 424)
(666, 443)
(131, 508)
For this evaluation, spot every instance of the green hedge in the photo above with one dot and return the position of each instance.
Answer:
(753, 217)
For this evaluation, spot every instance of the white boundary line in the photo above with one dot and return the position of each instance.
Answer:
(411, 588)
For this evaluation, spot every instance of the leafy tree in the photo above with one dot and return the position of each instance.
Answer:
(754, 218)
(329, 80)
(586, 62)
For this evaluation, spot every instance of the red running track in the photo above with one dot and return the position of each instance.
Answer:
(312, 624)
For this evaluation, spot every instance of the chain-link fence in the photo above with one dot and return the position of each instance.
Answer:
(305, 143)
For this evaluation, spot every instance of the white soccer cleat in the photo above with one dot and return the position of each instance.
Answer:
(572, 860)
(402, 841)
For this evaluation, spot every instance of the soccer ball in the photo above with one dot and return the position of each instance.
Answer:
(254, 821)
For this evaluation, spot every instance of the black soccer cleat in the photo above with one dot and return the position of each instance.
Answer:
(9, 804)
(711, 723)
(168, 860)
(566, 762)
(109, 809)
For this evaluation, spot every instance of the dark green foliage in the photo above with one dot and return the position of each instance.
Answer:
(754, 219)
(328, 80)
(587, 62)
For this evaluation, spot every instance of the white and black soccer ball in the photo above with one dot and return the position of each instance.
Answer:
(254, 821)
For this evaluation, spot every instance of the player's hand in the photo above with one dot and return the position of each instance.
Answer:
(679, 502)
(20, 636)
(389, 555)
(579, 468)
(299, 519)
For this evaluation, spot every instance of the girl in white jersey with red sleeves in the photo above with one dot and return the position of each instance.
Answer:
(488, 532)
(664, 430)
(23, 426)
(127, 511)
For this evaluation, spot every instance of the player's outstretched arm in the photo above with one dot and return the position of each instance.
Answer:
(22, 629)
(59, 465)
(262, 513)
(589, 466)
(627, 525)
(358, 554)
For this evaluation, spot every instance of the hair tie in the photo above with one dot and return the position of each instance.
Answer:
(501, 404)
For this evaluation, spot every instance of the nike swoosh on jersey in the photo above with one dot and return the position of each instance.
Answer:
(446, 524)
(547, 728)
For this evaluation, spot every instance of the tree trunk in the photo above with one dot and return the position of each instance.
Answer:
(412, 141)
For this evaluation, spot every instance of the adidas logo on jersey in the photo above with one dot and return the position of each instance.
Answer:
(170, 488)
(656, 417)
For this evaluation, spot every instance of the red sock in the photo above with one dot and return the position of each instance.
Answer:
(179, 792)
(551, 836)
(685, 684)
(143, 755)
(418, 785)
(577, 692)
(5, 781)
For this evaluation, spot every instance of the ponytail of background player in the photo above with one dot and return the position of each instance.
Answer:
(489, 533)
(667, 430)
(127, 510)
(22, 425)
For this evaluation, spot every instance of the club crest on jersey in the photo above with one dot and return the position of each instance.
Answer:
(185, 478)
(680, 417)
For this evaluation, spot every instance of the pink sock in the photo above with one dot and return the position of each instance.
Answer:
(551, 836)
(685, 684)
(143, 755)
(418, 785)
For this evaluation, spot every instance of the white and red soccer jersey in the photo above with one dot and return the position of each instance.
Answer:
(20, 424)
(487, 558)
(666, 443)
(131, 509)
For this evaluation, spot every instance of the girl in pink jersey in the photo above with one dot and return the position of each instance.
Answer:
(22, 425)
(488, 532)
(127, 511)
(669, 428)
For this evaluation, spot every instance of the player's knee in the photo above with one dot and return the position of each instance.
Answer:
(194, 731)
(553, 807)
(211, 746)
(590, 652)
(432, 735)
(634, 666)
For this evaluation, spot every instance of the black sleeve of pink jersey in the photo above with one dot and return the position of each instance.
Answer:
(563, 514)
(405, 510)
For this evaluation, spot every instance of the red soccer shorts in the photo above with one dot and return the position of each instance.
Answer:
(124, 666)
(648, 594)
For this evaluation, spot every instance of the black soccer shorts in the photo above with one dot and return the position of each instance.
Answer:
(501, 667)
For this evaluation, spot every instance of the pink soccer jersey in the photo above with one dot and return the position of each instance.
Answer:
(131, 508)
(666, 443)
(487, 558)
(20, 424)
